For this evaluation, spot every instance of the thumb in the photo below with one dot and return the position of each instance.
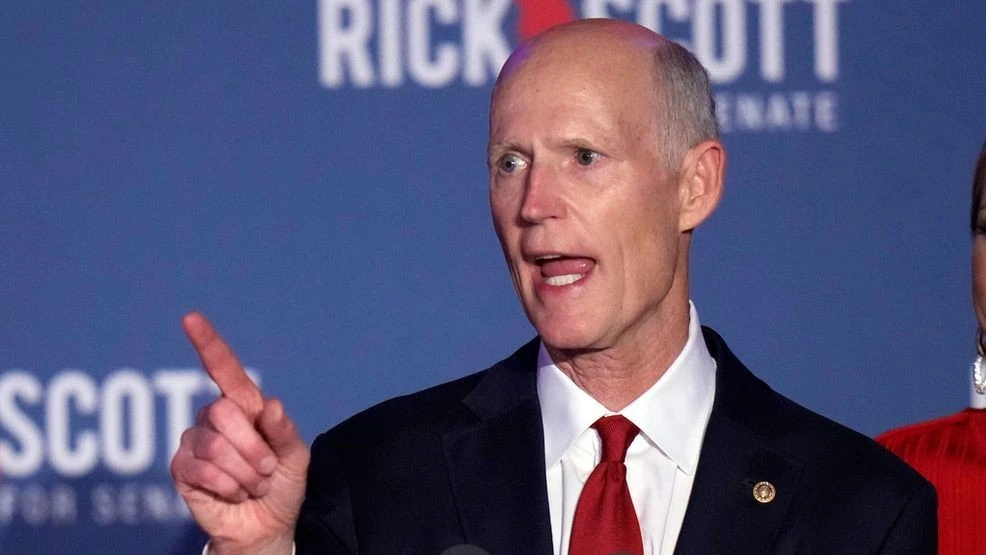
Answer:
(282, 436)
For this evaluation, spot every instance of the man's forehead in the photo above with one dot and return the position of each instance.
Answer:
(615, 41)
(570, 116)
(591, 82)
(592, 58)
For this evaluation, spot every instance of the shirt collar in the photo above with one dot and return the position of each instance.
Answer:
(671, 414)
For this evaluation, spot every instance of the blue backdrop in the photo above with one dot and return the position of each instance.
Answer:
(311, 175)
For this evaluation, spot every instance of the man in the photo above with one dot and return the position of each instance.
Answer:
(603, 158)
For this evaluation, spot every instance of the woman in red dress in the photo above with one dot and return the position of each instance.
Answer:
(951, 451)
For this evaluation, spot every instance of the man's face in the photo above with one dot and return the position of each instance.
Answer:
(586, 215)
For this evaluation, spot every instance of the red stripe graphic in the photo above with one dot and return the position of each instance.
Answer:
(537, 15)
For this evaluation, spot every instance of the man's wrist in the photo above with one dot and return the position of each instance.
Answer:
(278, 547)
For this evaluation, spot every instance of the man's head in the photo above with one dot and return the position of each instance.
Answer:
(603, 157)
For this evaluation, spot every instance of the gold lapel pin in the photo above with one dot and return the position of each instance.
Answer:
(764, 492)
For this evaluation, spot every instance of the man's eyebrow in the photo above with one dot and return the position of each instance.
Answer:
(572, 143)
(500, 147)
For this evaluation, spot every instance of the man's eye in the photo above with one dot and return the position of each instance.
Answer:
(512, 163)
(586, 157)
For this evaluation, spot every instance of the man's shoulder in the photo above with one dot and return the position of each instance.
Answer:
(828, 447)
(851, 483)
(820, 445)
(430, 412)
(837, 487)
(428, 406)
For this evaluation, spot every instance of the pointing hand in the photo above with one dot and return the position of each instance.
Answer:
(241, 468)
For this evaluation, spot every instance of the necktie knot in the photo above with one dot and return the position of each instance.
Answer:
(616, 433)
(605, 521)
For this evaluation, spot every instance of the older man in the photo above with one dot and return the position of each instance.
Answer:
(625, 427)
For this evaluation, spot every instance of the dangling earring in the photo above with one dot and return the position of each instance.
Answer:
(978, 372)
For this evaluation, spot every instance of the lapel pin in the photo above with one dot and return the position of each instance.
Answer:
(764, 492)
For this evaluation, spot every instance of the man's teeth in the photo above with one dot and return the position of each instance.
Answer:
(563, 280)
(547, 257)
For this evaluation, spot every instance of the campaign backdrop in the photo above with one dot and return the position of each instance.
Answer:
(311, 175)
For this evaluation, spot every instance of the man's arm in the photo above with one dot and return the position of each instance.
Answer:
(915, 532)
(325, 525)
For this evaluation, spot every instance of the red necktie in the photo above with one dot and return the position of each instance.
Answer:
(605, 522)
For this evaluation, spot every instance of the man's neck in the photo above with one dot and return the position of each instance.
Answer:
(620, 373)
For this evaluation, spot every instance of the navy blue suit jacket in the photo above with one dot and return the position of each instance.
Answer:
(463, 463)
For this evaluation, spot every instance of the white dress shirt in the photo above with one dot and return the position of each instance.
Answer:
(661, 461)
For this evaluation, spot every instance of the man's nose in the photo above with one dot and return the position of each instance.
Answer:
(542, 198)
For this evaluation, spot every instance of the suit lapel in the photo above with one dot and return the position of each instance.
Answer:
(496, 467)
(723, 516)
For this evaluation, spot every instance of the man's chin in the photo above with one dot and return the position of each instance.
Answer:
(567, 339)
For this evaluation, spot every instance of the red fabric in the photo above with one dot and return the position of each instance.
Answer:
(605, 522)
(951, 453)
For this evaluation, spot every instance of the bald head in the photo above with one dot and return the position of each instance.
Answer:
(663, 78)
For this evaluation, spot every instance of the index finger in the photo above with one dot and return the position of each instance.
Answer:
(221, 364)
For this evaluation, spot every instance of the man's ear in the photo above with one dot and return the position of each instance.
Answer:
(700, 183)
